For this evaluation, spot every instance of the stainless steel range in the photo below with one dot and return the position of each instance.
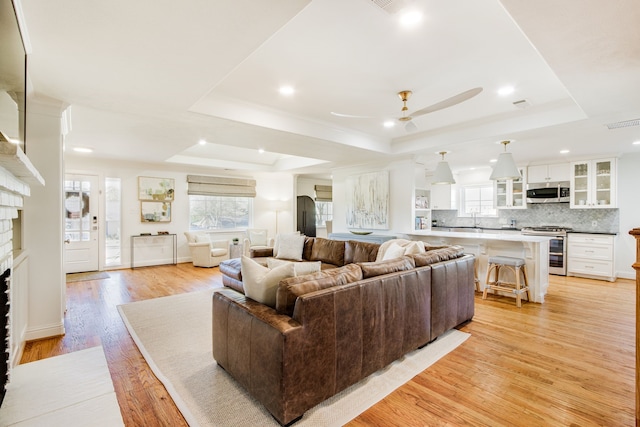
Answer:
(557, 246)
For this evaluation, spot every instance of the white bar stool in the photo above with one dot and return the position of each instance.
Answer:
(516, 265)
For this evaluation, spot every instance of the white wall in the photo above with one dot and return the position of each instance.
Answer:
(273, 190)
(629, 205)
(43, 221)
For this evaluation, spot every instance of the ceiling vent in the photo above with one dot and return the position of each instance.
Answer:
(389, 6)
(625, 124)
(523, 103)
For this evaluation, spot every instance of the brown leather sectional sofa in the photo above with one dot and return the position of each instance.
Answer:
(331, 329)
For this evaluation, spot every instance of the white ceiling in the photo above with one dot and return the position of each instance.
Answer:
(146, 80)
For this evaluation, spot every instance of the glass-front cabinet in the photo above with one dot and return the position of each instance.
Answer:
(593, 184)
(421, 210)
(512, 193)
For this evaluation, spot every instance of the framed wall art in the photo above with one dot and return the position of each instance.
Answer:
(155, 212)
(367, 198)
(156, 189)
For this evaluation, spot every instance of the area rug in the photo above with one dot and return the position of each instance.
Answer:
(90, 275)
(74, 389)
(174, 336)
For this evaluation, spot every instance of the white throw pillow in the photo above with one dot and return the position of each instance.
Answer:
(276, 243)
(258, 237)
(202, 238)
(301, 268)
(393, 251)
(416, 247)
(261, 283)
(290, 247)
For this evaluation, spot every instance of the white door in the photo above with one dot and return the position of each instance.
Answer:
(81, 223)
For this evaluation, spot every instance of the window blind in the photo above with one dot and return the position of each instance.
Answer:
(220, 186)
(324, 193)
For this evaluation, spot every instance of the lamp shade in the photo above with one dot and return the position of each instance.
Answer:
(505, 168)
(443, 174)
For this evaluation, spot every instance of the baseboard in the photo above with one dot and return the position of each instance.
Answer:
(44, 332)
(627, 275)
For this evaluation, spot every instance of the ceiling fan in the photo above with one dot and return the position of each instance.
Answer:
(407, 118)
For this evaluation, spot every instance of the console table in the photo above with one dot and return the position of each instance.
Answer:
(371, 238)
(174, 245)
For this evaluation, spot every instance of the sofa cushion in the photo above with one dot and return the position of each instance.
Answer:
(291, 288)
(301, 268)
(276, 241)
(415, 247)
(329, 251)
(438, 255)
(356, 251)
(202, 238)
(261, 283)
(290, 246)
(372, 269)
(258, 237)
(232, 268)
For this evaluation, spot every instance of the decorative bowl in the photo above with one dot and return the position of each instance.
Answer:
(361, 233)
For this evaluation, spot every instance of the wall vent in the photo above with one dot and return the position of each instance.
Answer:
(523, 103)
(389, 6)
(624, 124)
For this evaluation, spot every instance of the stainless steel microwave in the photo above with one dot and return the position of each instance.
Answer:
(550, 192)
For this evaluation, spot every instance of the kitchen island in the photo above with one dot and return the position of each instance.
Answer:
(533, 249)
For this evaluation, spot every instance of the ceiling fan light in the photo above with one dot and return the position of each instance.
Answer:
(443, 174)
(505, 168)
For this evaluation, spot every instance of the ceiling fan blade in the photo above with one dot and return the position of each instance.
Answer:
(410, 127)
(449, 102)
(351, 116)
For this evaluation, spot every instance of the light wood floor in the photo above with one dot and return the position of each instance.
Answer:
(567, 362)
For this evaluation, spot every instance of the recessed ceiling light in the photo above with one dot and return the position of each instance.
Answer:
(260, 150)
(82, 150)
(564, 151)
(389, 124)
(410, 18)
(287, 90)
(202, 142)
(493, 160)
(636, 142)
(506, 90)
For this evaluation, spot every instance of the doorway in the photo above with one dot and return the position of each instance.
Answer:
(81, 207)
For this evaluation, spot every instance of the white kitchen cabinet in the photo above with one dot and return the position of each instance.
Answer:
(511, 193)
(441, 198)
(591, 256)
(593, 184)
(548, 173)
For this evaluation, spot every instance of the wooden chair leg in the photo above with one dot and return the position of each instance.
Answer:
(518, 294)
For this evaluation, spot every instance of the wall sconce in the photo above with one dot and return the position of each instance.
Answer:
(505, 167)
(443, 173)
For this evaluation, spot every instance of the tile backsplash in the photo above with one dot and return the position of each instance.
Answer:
(558, 214)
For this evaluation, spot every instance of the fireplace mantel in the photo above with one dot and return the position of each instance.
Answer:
(14, 160)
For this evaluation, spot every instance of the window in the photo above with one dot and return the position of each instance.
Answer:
(477, 200)
(219, 212)
(112, 221)
(324, 213)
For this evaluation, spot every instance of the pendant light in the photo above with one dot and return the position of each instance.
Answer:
(443, 173)
(505, 167)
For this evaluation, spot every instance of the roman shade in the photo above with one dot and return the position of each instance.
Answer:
(220, 186)
(324, 193)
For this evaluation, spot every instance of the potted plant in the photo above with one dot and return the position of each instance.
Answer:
(235, 240)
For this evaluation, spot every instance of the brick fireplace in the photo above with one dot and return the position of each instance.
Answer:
(16, 174)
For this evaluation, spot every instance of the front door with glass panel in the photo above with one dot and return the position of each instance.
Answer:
(81, 223)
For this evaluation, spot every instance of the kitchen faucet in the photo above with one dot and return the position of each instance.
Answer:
(476, 221)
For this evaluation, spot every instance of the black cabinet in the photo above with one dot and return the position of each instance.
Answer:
(306, 219)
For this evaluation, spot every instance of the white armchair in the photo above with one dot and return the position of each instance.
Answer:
(206, 252)
(256, 238)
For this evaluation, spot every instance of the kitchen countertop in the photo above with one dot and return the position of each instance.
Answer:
(481, 236)
(593, 232)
